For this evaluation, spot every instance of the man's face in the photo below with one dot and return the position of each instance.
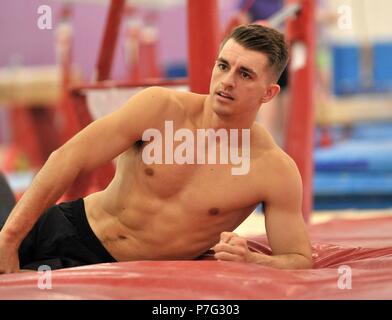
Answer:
(241, 80)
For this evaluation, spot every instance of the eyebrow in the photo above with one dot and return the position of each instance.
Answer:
(242, 68)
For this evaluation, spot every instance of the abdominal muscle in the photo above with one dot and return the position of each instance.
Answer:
(133, 233)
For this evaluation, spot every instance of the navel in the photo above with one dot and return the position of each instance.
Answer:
(121, 237)
(213, 211)
(149, 172)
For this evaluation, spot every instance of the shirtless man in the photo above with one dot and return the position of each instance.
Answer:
(169, 211)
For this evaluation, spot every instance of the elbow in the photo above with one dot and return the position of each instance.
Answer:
(306, 262)
(62, 150)
(59, 155)
(300, 261)
(55, 154)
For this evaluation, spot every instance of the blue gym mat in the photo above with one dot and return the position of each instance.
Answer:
(355, 155)
(349, 183)
(355, 173)
(364, 131)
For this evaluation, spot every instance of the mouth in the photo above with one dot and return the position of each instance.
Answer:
(224, 95)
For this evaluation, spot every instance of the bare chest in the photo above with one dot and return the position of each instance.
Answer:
(200, 187)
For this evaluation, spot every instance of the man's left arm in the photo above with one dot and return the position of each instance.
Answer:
(286, 229)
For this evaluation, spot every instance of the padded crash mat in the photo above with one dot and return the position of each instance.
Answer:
(363, 247)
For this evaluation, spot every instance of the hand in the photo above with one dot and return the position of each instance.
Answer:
(9, 259)
(232, 247)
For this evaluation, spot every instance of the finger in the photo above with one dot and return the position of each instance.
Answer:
(225, 256)
(224, 247)
(238, 241)
(226, 236)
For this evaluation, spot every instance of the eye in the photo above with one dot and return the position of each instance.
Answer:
(245, 75)
(222, 66)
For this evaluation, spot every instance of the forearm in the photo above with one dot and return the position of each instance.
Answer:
(48, 185)
(284, 261)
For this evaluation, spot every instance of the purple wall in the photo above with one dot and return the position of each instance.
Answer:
(21, 39)
(20, 36)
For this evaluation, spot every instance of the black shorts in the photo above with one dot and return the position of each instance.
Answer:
(62, 238)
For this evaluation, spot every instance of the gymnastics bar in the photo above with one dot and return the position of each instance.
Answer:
(203, 42)
(300, 122)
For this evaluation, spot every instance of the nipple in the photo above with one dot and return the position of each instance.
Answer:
(213, 211)
(149, 172)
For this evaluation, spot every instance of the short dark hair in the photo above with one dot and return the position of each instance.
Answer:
(265, 40)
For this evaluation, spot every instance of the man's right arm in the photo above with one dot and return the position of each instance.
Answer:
(98, 143)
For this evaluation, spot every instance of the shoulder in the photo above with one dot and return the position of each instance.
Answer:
(268, 150)
(154, 94)
(171, 99)
(284, 164)
(284, 177)
(153, 101)
(144, 109)
(278, 168)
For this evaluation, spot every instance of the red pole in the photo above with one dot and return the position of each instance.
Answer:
(203, 42)
(300, 126)
(109, 40)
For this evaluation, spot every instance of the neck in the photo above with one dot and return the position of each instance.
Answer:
(210, 119)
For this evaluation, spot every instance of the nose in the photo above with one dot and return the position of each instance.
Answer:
(228, 80)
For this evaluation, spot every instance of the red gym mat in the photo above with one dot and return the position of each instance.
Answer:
(364, 245)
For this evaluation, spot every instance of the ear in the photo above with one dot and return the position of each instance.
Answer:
(271, 92)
